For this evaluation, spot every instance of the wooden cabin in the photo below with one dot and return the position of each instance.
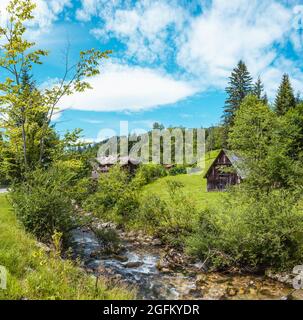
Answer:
(103, 164)
(224, 171)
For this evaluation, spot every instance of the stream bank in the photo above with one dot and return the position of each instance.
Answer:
(142, 262)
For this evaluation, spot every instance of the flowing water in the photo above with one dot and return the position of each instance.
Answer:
(138, 267)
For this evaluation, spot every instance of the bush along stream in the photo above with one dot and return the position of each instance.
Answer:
(159, 272)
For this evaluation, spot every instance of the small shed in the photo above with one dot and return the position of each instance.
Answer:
(224, 171)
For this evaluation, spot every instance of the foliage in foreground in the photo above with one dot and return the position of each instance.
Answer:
(148, 173)
(116, 197)
(172, 219)
(34, 274)
(42, 202)
(251, 231)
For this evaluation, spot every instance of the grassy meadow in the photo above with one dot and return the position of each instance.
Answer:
(194, 185)
(35, 274)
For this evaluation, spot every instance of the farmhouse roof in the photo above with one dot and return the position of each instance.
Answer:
(236, 161)
(111, 160)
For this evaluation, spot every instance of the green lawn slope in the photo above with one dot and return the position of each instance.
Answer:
(194, 184)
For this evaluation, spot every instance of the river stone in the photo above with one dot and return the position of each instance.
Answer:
(241, 291)
(216, 293)
(162, 264)
(252, 291)
(283, 277)
(201, 280)
(157, 289)
(101, 269)
(230, 291)
(95, 254)
(196, 293)
(223, 280)
(119, 258)
(117, 277)
(133, 264)
(297, 295)
(265, 292)
(201, 266)
(156, 242)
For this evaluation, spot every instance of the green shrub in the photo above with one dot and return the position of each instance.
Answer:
(116, 197)
(251, 231)
(42, 202)
(182, 214)
(173, 219)
(174, 187)
(150, 172)
(152, 211)
(83, 189)
(178, 169)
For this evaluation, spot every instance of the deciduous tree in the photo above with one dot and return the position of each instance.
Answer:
(26, 112)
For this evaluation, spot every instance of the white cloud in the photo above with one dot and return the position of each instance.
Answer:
(205, 45)
(144, 27)
(272, 76)
(101, 8)
(229, 31)
(122, 87)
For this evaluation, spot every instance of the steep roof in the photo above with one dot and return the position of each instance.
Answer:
(235, 160)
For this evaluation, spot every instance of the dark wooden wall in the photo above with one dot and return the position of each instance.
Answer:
(218, 180)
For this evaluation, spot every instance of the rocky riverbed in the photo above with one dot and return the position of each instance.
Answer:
(158, 272)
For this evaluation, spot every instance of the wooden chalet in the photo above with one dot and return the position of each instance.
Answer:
(103, 164)
(224, 171)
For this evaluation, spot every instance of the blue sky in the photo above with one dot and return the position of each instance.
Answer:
(171, 59)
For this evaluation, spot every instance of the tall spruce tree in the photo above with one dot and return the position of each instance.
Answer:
(239, 86)
(285, 99)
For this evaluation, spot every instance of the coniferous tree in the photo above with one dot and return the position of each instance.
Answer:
(157, 125)
(258, 91)
(298, 98)
(285, 99)
(27, 80)
(239, 86)
(265, 99)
